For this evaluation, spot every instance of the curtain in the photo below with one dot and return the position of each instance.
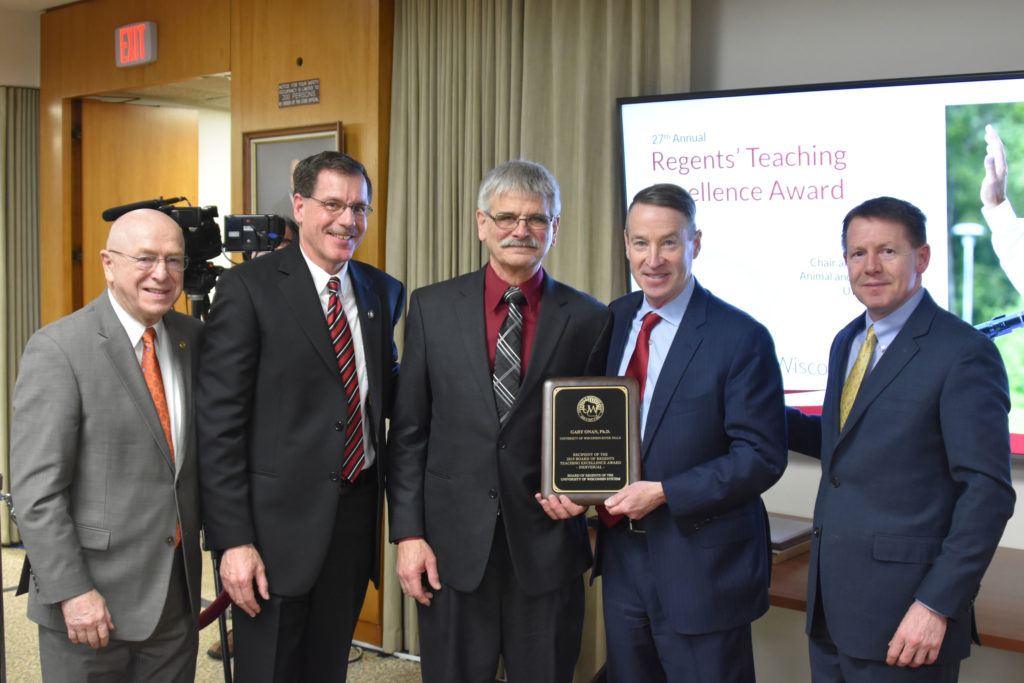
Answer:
(477, 82)
(19, 254)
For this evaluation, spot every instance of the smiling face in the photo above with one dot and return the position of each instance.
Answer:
(516, 253)
(660, 251)
(145, 295)
(885, 268)
(329, 239)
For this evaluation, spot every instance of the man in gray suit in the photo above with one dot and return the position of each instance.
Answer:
(103, 470)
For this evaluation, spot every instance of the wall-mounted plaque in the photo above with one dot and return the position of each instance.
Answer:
(591, 437)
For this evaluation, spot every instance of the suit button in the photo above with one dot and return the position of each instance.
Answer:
(334, 476)
(501, 445)
(169, 540)
(492, 494)
(835, 482)
(339, 426)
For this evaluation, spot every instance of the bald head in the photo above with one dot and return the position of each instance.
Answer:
(136, 267)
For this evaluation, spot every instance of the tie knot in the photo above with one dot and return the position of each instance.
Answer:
(149, 335)
(650, 320)
(333, 285)
(514, 295)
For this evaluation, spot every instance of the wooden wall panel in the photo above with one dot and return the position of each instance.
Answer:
(131, 153)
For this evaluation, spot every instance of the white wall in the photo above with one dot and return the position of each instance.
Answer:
(758, 43)
(19, 48)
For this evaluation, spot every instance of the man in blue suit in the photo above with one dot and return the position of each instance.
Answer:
(915, 487)
(687, 565)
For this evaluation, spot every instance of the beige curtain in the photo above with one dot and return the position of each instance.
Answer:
(477, 82)
(19, 254)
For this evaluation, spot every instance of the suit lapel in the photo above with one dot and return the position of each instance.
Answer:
(122, 358)
(183, 354)
(620, 333)
(370, 316)
(551, 322)
(469, 311)
(903, 348)
(687, 340)
(300, 294)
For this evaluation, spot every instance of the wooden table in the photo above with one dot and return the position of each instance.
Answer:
(999, 607)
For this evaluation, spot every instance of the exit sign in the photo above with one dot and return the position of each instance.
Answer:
(135, 44)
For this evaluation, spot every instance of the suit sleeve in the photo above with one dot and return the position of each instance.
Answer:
(44, 455)
(754, 425)
(410, 432)
(803, 432)
(227, 376)
(973, 411)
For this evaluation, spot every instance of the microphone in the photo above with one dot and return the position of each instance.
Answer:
(1001, 324)
(116, 212)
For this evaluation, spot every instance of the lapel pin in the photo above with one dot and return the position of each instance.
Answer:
(369, 314)
(181, 345)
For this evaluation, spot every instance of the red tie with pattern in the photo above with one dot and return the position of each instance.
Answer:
(341, 338)
(155, 382)
(637, 369)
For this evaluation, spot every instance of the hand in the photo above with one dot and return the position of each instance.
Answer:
(636, 500)
(239, 567)
(88, 619)
(993, 187)
(918, 638)
(414, 559)
(559, 507)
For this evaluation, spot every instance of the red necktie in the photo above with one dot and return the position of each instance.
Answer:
(341, 338)
(637, 369)
(155, 382)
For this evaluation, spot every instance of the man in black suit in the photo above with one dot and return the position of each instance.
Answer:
(296, 380)
(493, 574)
(915, 467)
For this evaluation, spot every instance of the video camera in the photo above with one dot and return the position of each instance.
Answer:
(250, 233)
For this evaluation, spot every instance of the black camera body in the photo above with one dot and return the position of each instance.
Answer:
(253, 232)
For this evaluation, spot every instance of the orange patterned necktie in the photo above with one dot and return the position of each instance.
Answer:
(155, 382)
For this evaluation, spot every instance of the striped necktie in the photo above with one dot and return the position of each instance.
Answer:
(507, 363)
(345, 352)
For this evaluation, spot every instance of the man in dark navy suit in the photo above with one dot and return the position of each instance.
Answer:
(915, 487)
(684, 553)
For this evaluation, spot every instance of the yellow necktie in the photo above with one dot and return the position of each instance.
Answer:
(860, 366)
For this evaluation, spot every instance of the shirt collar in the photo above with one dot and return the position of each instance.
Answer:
(131, 326)
(888, 327)
(675, 309)
(494, 288)
(321, 276)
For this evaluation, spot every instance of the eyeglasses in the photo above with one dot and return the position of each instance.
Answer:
(147, 263)
(359, 210)
(509, 221)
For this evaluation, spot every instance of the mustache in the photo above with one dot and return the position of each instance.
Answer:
(528, 241)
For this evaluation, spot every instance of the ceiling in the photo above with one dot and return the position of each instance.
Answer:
(212, 91)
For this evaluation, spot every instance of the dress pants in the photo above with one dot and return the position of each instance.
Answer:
(306, 638)
(643, 646)
(167, 656)
(538, 637)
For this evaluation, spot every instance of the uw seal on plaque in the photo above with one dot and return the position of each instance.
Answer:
(591, 437)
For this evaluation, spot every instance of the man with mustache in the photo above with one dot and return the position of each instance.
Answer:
(492, 573)
(915, 468)
(296, 380)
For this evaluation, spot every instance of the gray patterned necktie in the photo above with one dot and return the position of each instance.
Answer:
(507, 361)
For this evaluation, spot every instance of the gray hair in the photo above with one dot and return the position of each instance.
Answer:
(522, 176)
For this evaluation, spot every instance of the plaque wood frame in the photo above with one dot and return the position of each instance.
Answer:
(590, 437)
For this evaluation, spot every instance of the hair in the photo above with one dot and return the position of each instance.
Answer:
(892, 209)
(669, 196)
(520, 175)
(307, 171)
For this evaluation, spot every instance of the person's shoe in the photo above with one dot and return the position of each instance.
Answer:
(216, 650)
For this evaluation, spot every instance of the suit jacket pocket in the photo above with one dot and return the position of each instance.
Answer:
(93, 538)
(908, 549)
(722, 530)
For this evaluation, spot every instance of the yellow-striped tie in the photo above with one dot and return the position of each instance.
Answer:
(867, 350)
